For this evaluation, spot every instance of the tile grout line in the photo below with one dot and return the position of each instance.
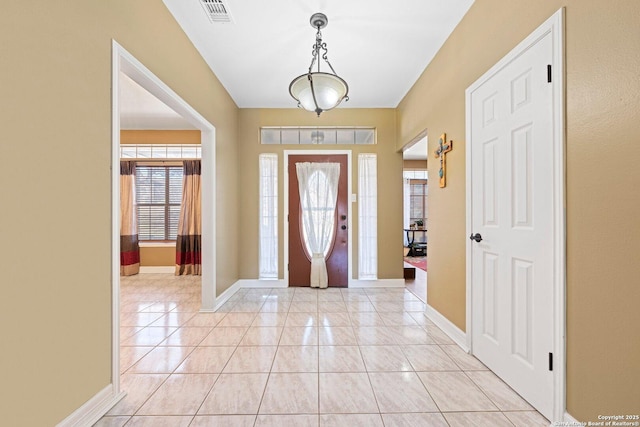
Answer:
(374, 297)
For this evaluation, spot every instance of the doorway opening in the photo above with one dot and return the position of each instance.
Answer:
(123, 63)
(415, 180)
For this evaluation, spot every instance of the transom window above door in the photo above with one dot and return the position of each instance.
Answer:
(317, 135)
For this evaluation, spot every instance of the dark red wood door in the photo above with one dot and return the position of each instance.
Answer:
(338, 256)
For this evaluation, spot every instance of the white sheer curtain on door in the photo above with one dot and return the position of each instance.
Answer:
(318, 187)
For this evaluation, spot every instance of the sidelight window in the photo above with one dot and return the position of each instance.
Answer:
(367, 217)
(268, 229)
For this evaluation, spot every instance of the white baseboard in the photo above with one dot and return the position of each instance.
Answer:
(224, 297)
(570, 420)
(379, 283)
(447, 327)
(280, 283)
(93, 409)
(245, 283)
(262, 283)
(157, 269)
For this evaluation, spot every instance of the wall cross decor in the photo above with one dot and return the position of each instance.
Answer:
(441, 152)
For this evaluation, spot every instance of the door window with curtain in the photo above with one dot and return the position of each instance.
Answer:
(321, 216)
(318, 191)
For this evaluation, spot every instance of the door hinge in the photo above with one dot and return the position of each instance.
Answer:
(549, 73)
(287, 267)
(551, 361)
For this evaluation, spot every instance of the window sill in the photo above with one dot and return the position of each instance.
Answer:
(157, 244)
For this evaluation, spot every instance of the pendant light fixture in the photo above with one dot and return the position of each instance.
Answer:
(315, 90)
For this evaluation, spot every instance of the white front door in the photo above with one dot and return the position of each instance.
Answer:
(512, 211)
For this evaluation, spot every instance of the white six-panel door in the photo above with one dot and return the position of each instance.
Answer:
(512, 208)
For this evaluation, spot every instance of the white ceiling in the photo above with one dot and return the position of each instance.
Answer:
(139, 109)
(379, 50)
(417, 151)
(379, 47)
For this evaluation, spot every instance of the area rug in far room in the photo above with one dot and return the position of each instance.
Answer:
(419, 262)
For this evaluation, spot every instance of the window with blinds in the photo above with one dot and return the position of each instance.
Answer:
(418, 204)
(158, 198)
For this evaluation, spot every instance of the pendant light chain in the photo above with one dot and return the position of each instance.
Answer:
(316, 53)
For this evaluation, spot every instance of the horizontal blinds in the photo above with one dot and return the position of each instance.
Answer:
(418, 200)
(158, 198)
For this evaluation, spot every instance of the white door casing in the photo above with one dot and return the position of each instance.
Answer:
(123, 61)
(515, 183)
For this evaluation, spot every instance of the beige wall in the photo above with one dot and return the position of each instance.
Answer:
(414, 164)
(389, 182)
(603, 110)
(56, 84)
(160, 137)
(158, 256)
(56, 78)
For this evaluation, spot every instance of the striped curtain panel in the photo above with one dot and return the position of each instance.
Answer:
(129, 248)
(188, 241)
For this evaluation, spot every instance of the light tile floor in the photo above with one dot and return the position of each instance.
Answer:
(297, 357)
(417, 286)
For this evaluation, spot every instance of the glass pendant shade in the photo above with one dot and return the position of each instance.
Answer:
(318, 91)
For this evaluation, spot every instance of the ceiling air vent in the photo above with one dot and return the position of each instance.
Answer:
(216, 10)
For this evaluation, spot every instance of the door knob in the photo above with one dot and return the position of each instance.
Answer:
(344, 227)
(343, 217)
(477, 237)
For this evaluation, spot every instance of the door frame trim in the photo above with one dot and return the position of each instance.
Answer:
(123, 61)
(285, 166)
(554, 26)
